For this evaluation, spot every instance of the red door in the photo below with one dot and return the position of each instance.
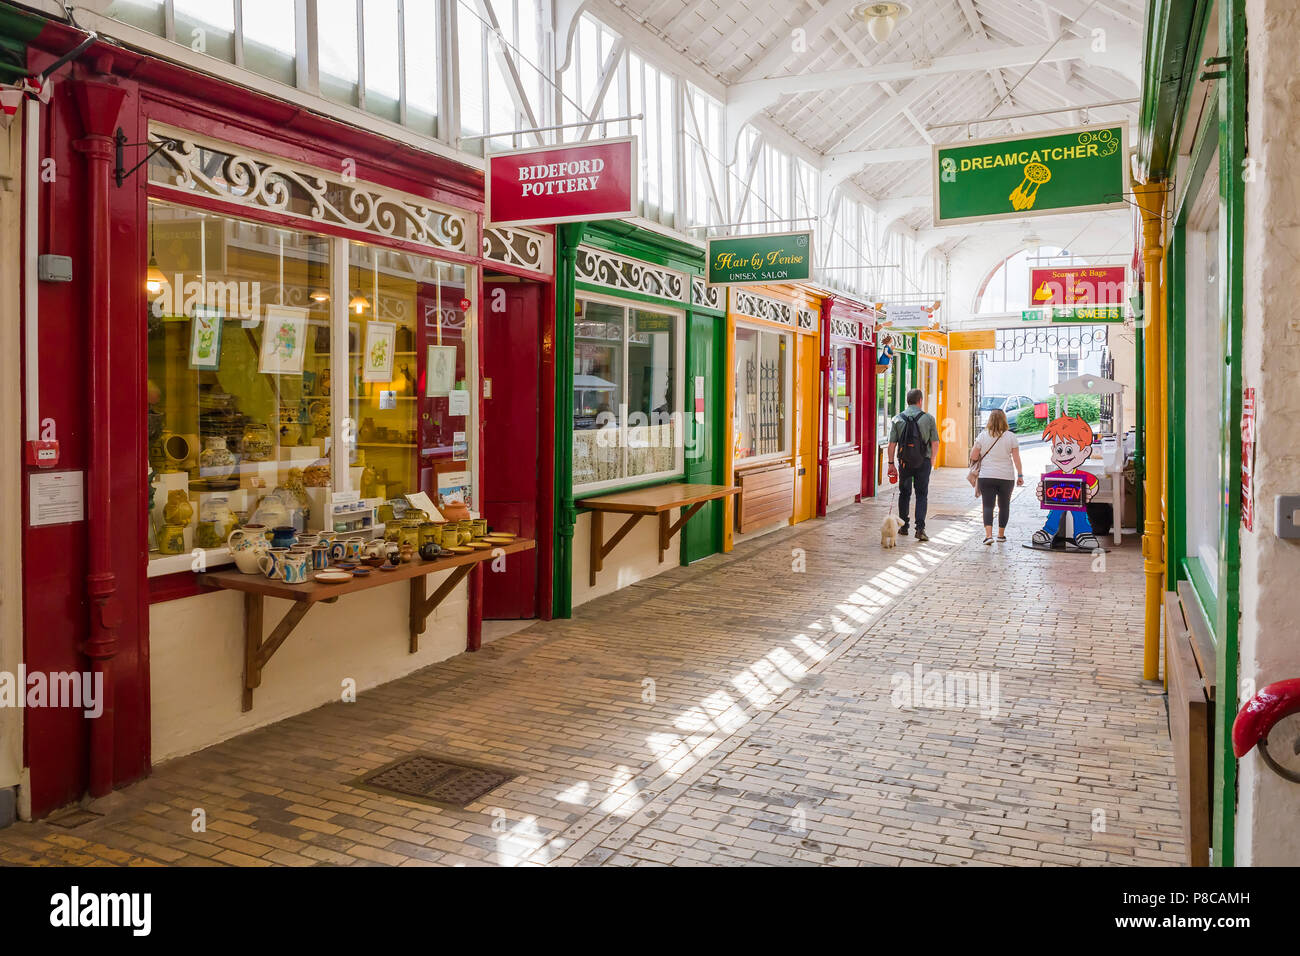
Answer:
(512, 329)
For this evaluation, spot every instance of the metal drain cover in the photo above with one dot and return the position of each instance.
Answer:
(427, 778)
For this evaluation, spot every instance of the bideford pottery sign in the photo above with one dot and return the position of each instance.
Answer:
(574, 183)
(749, 260)
(1071, 170)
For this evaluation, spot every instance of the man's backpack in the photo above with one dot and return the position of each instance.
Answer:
(911, 447)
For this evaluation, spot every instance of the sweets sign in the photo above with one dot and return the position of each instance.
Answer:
(1070, 170)
(574, 183)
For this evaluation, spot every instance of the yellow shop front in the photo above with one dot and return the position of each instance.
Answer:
(932, 380)
(773, 381)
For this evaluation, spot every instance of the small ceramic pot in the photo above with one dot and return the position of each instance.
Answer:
(284, 536)
(428, 551)
(405, 552)
(172, 539)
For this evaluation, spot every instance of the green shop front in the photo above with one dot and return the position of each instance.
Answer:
(895, 376)
(640, 355)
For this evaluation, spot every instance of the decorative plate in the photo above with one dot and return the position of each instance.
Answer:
(333, 577)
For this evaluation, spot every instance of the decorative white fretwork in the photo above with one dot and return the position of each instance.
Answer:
(761, 307)
(1012, 344)
(808, 319)
(597, 267)
(203, 167)
(931, 349)
(846, 329)
(517, 246)
(898, 341)
(706, 295)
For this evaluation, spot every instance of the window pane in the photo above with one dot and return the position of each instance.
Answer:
(207, 26)
(145, 14)
(383, 87)
(270, 44)
(842, 413)
(420, 23)
(597, 392)
(652, 393)
(762, 387)
(237, 431)
(472, 52)
(409, 356)
(336, 38)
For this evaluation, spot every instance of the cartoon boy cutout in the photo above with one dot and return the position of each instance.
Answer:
(1071, 445)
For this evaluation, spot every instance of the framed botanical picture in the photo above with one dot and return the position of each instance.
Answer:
(440, 371)
(377, 359)
(284, 340)
(205, 339)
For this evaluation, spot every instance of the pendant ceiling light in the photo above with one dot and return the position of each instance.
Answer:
(154, 280)
(359, 303)
(880, 18)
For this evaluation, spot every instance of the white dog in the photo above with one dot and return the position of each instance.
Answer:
(889, 531)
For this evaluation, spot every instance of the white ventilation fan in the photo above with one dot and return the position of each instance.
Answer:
(880, 18)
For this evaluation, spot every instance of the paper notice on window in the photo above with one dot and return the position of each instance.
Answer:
(458, 401)
(459, 446)
(56, 497)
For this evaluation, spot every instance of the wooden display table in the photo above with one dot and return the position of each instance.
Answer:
(656, 500)
(256, 587)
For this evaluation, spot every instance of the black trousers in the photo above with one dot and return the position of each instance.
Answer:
(989, 488)
(920, 477)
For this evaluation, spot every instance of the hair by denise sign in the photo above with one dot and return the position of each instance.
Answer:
(1077, 285)
(744, 260)
(1072, 170)
(574, 183)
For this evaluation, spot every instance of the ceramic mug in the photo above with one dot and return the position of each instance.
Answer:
(479, 526)
(271, 563)
(320, 557)
(297, 563)
(339, 551)
(308, 540)
(354, 547)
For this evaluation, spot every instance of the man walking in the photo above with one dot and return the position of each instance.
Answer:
(915, 437)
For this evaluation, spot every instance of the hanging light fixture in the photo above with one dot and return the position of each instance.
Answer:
(359, 303)
(880, 18)
(154, 280)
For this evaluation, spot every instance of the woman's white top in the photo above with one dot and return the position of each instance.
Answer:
(997, 462)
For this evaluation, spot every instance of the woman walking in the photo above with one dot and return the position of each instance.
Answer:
(997, 453)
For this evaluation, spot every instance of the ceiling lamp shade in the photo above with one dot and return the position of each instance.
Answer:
(359, 303)
(319, 295)
(880, 18)
(154, 279)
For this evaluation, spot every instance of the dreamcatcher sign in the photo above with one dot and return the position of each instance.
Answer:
(1070, 170)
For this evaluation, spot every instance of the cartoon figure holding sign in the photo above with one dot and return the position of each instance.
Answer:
(1068, 488)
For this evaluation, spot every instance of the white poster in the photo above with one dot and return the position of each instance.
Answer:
(458, 401)
(56, 497)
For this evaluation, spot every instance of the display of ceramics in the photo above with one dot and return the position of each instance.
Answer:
(217, 460)
(290, 432)
(333, 577)
(295, 484)
(257, 442)
(172, 539)
(453, 510)
(178, 510)
(271, 511)
(319, 414)
(216, 521)
(429, 551)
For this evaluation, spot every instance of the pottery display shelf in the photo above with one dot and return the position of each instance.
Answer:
(259, 650)
(657, 500)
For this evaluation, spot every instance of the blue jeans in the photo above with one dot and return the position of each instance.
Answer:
(1081, 523)
(920, 478)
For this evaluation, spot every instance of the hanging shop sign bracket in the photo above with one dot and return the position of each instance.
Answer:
(121, 174)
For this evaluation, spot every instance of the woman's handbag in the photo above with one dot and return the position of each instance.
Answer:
(973, 474)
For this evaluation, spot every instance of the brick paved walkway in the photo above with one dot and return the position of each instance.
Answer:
(753, 708)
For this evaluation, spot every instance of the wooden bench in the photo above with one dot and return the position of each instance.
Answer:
(766, 496)
(657, 500)
(256, 587)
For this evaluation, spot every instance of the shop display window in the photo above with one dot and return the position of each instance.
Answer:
(843, 394)
(885, 403)
(298, 379)
(763, 384)
(627, 394)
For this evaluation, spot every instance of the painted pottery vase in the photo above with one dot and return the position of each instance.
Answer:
(172, 539)
(257, 442)
(217, 460)
(405, 552)
(216, 521)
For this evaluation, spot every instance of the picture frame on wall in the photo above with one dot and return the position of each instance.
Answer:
(440, 371)
(284, 340)
(381, 344)
(205, 338)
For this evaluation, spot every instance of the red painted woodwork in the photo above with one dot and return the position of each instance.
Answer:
(1259, 714)
(864, 382)
(85, 592)
(512, 342)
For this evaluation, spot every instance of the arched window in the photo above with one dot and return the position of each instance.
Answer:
(1006, 289)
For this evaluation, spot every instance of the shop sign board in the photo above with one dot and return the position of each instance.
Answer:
(907, 316)
(972, 341)
(1091, 313)
(1063, 493)
(578, 182)
(1069, 170)
(1077, 285)
(749, 260)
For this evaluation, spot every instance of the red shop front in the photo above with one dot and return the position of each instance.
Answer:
(848, 431)
(272, 318)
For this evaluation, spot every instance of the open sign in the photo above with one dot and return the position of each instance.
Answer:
(1063, 493)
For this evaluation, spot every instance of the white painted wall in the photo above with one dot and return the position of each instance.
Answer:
(196, 659)
(633, 559)
(11, 517)
(1268, 806)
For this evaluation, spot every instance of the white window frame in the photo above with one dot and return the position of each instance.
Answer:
(679, 395)
(788, 439)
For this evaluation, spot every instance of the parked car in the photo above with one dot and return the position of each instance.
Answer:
(1012, 405)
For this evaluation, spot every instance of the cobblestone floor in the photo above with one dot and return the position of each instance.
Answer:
(752, 709)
